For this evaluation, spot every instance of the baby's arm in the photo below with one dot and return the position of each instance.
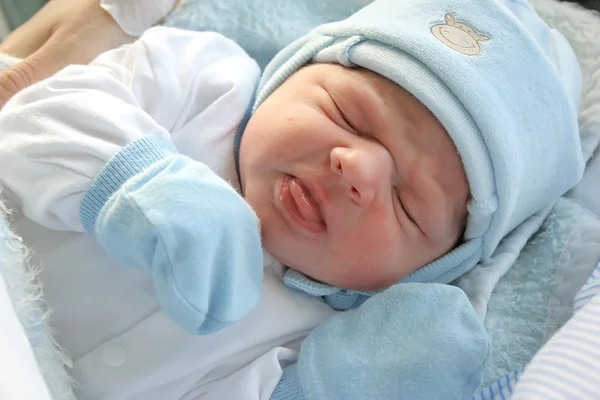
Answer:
(57, 135)
(155, 209)
(150, 207)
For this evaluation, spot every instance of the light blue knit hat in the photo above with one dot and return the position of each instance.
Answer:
(504, 85)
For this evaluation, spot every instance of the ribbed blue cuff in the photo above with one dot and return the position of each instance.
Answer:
(289, 387)
(130, 161)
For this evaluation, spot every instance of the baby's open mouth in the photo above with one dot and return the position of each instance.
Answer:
(300, 204)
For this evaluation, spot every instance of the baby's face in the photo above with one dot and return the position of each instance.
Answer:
(355, 182)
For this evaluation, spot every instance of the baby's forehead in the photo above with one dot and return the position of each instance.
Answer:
(348, 74)
(385, 89)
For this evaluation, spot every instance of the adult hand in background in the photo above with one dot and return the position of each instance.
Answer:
(63, 32)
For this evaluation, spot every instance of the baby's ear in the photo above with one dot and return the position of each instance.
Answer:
(449, 18)
(481, 38)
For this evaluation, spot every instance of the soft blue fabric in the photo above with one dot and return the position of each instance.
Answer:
(503, 101)
(535, 297)
(200, 241)
(413, 341)
(260, 27)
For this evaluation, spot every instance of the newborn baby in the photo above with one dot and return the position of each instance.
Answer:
(355, 181)
(397, 146)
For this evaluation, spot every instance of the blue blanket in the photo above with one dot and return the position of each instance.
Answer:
(264, 27)
(535, 297)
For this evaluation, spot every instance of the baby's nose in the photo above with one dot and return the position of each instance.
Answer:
(362, 171)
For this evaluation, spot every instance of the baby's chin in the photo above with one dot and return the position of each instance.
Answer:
(324, 267)
(271, 247)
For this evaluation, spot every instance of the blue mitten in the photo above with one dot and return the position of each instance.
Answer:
(153, 208)
(413, 341)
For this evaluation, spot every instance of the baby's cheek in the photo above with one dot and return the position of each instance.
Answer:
(378, 212)
(376, 240)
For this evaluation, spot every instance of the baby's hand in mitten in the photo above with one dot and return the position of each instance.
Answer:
(190, 229)
(413, 341)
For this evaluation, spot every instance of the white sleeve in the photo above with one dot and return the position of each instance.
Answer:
(56, 135)
(135, 16)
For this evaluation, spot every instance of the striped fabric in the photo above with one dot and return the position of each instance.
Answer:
(589, 290)
(568, 366)
(502, 389)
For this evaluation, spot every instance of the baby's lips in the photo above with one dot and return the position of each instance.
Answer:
(306, 203)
